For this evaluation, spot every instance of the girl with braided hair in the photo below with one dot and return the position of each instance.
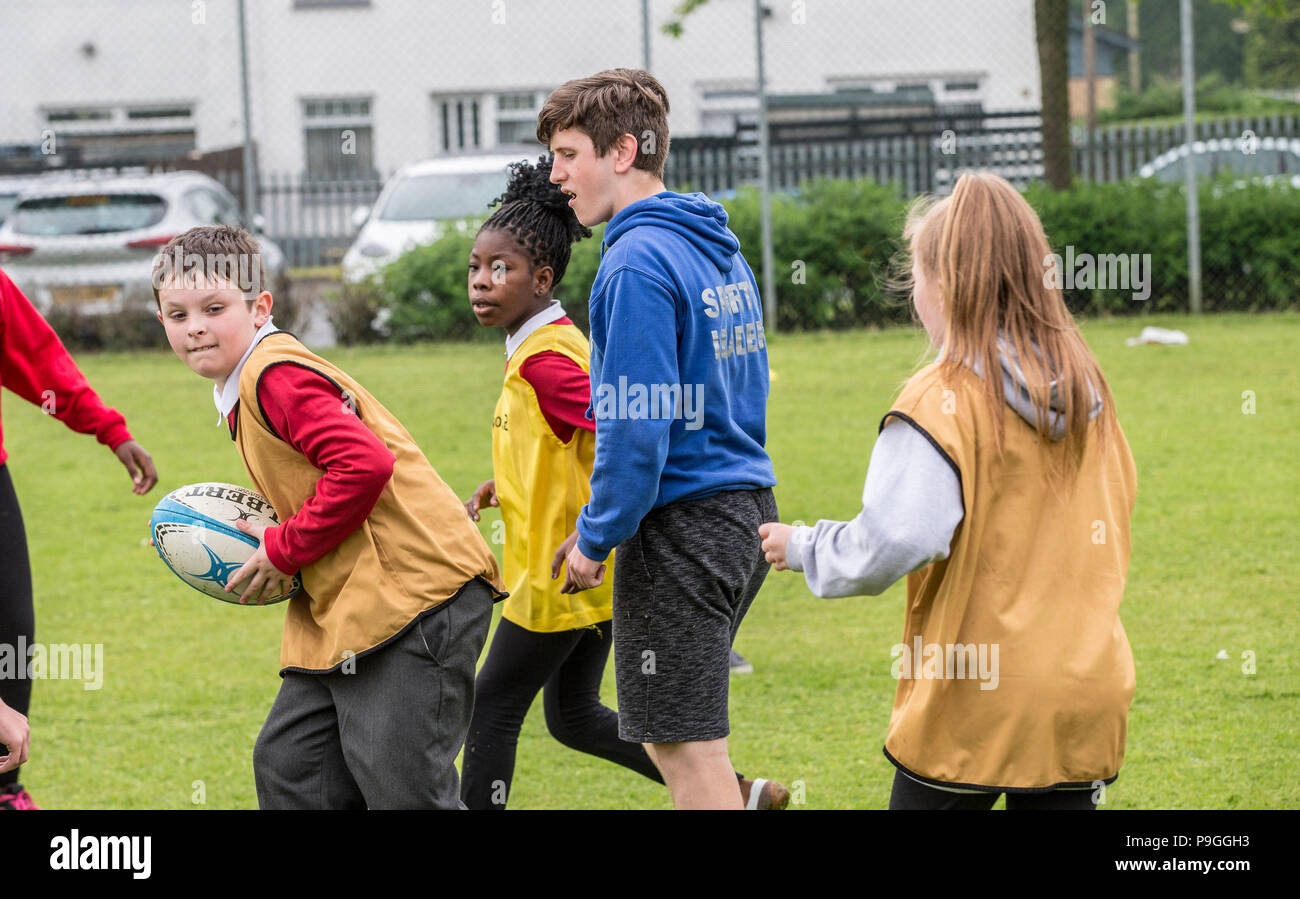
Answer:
(543, 447)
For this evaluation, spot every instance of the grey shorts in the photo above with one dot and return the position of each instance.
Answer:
(682, 585)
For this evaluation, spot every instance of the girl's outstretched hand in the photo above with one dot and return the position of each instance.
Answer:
(484, 495)
(775, 536)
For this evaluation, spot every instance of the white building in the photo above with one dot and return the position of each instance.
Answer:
(361, 85)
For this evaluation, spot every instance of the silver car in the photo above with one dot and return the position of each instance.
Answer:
(11, 186)
(88, 241)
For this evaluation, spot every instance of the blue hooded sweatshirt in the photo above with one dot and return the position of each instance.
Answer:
(679, 371)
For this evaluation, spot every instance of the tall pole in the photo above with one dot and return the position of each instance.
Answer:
(765, 180)
(645, 34)
(250, 176)
(1090, 87)
(1193, 201)
(1134, 59)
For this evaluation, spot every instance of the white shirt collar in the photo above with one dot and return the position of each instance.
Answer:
(226, 397)
(551, 313)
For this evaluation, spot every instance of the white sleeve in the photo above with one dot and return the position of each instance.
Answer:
(911, 505)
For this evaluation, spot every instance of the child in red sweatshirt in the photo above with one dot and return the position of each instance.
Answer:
(380, 645)
(35, 365)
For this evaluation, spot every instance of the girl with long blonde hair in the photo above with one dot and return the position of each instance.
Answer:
(1002, 486)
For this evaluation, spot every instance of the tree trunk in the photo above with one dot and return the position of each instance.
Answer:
(1052, 27)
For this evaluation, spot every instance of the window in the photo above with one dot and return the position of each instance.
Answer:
(203, 206)
(517, 117)
(87, 214)
(57, 116)
(514, 102)
(339, 138)
(442, 196)
(458, 120)
(161, 112)
(123, 135)
(211, 208)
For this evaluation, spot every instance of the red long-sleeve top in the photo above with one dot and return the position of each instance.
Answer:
(563, 390)
(304, 410)
(35, 365)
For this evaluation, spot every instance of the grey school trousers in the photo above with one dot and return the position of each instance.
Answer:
(386, 735)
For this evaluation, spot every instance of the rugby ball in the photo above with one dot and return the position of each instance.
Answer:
(194, 532)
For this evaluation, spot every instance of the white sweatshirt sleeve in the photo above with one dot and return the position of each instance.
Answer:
(911, 505)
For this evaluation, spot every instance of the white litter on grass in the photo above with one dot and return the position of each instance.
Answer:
(1223, 654)
(1165, 336)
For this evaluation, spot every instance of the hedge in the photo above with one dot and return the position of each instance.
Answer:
(833, 242)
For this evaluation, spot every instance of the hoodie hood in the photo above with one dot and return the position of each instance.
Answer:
(694, 216)
(1015, 390)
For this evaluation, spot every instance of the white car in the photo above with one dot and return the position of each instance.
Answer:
(417, 203)
(1268, 159)
(11, 186)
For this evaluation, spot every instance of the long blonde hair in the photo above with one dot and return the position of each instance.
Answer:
(986, 248)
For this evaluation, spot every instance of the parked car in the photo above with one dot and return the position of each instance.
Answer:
(89, 240)
(1268, 159)
(418, 201)
(11, 186)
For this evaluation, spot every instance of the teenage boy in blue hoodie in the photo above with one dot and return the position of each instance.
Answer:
(679, 381)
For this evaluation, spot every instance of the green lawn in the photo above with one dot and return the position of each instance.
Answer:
(187, 681)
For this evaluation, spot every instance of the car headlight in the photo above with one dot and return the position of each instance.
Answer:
(373, 250)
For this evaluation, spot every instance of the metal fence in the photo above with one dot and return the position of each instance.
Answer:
(926, 154)
(341, 91)
(311, 218)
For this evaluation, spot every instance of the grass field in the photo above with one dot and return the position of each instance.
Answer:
(187, 681)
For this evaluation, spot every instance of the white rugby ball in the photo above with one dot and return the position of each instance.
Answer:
(195, 534)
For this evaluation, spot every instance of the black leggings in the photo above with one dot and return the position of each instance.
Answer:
(569, 666)
(908, 794)
(17, 615)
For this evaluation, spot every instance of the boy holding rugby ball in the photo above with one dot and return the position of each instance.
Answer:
(380, 645)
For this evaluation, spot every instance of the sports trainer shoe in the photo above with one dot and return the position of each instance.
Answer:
(763, 795)
(739, 665)
(14, 798)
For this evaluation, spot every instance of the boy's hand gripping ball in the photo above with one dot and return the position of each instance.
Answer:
(194, 531)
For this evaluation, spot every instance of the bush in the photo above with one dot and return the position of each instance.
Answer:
(833, 243)
(129, 329)
(352, 310)
(1164, 99)
(1250, 241)
(426, 291)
